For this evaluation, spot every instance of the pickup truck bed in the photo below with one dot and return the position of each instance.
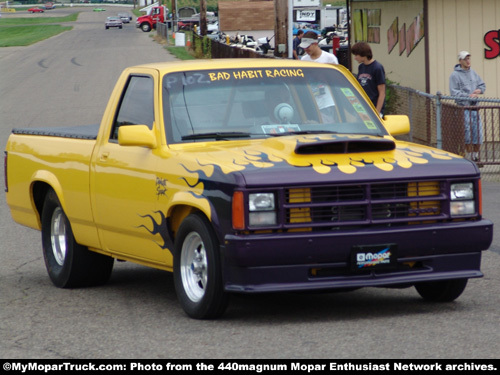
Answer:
(76, 132)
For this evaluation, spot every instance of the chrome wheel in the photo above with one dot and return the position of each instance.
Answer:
(194, 267)
(68, 263)
(198, 269)
(58, 236)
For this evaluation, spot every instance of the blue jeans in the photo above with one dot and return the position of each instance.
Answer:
(473, 127)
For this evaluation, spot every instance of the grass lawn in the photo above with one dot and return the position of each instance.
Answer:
(179, 52)
(24, 31)
(7, 21)
(25, 35)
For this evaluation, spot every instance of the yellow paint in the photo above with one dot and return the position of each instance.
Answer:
(119, 197)
(300, 214)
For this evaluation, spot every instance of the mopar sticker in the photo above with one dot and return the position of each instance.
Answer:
(373, 257)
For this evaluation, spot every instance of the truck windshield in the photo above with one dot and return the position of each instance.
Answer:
(236, 103)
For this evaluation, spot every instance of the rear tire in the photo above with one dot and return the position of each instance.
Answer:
(69, 264)
(441, 291)
(198, 269)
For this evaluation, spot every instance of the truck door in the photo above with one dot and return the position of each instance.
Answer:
(124, 182)
(157, 14)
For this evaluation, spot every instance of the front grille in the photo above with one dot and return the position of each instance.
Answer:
(389, 204)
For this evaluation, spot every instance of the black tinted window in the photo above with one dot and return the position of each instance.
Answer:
(137, 104)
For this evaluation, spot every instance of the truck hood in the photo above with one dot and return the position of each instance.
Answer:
(312, 159)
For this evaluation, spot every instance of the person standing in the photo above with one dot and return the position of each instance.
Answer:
(296, 42)
(322, 94)
(466, 83)
(314, 52)
(371, 75)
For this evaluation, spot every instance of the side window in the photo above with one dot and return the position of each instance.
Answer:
(137, 104)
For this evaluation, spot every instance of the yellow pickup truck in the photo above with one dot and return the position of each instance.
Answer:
(248, 176)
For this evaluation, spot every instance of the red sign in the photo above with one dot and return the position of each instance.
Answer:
(492, 41)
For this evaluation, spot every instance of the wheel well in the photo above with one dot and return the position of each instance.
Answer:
(177, 215)
(39, 191)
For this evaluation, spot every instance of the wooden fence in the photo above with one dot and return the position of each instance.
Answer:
(210, 48)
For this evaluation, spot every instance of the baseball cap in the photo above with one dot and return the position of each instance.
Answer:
(463, 54)
(306, 42)
(308, 38)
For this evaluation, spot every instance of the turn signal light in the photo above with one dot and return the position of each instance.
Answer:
(238, 211)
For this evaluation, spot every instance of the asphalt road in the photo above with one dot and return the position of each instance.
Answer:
(67, 80)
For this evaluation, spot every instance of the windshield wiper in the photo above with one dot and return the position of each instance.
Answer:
(218, 136)
(299, 132)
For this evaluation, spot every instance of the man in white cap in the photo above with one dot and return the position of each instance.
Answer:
(313, 51)
(466, 83)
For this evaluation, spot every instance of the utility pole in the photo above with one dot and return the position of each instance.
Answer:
(203, 17)
(281, 28)
(173, 6)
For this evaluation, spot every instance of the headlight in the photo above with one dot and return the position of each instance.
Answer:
(460, 208)
(261, 202)
(462, 191)
(261, 209)
(462, 199)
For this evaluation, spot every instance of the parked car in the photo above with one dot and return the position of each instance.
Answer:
(36, 10)
(305, 27)
(126, 17)
(113, 21)
(186, 25)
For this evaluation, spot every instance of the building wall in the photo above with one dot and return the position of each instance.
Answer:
(405, 63)
(246, 15)
(453, 26)
(456, 25)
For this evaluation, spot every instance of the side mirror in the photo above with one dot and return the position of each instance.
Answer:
(397, 124)
(136, 135)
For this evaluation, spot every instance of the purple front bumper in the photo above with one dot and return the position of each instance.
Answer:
(321, 260)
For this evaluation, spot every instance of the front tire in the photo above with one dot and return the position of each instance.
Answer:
(69, 264)
(198, 269)
(441, 291)
(145, 27)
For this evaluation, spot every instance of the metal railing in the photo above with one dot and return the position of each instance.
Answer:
(438, 121)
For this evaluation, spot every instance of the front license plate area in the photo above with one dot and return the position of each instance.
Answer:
(368, 258)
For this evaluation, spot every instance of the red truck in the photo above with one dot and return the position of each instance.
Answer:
(154, 15)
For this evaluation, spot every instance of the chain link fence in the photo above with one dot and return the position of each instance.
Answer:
(472, 131)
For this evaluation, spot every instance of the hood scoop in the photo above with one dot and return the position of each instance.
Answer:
(345, 146)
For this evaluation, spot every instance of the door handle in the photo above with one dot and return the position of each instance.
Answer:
(104, 156)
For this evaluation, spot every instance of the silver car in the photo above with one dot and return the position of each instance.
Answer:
(125, 17)
(113, 22)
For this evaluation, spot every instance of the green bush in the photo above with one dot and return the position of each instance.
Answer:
(391, 97)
